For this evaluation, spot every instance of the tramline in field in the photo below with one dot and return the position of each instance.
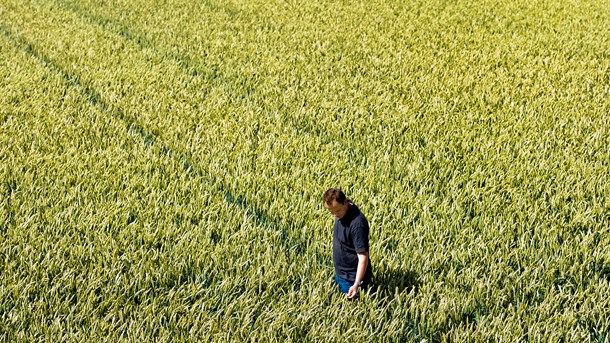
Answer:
(161, 165)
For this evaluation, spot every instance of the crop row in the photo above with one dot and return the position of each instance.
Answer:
(173, 164)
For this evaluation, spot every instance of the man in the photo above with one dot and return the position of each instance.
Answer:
(353, 270)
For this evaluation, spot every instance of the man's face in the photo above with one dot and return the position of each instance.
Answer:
(337, 209)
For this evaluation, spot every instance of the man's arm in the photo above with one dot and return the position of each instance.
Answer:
(363, 261)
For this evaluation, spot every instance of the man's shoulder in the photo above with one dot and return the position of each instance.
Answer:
(359, 218)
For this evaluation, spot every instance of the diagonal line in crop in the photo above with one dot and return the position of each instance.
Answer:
(193, 67)
(291, 243)
(141, 40)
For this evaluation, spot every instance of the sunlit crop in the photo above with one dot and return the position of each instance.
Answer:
(162, 165)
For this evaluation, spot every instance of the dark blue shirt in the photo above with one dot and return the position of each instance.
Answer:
(350, 237)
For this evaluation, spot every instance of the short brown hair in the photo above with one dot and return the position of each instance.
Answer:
(334, 194)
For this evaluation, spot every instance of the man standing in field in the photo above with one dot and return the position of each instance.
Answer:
(353, 270)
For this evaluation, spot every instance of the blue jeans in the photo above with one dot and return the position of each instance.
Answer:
(345, 285)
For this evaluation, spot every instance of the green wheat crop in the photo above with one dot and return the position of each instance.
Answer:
(162, 165)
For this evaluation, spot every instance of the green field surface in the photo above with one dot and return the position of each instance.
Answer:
(162, 165)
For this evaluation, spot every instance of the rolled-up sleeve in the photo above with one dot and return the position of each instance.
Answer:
(360, 235)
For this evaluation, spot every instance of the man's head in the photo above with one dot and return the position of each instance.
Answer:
(336, 202)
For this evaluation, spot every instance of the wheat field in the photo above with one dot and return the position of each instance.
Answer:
(162, 165)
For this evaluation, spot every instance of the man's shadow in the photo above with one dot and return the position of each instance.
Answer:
(387, 282)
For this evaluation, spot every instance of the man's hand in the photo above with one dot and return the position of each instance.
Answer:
(353, 292)
(363, 260)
